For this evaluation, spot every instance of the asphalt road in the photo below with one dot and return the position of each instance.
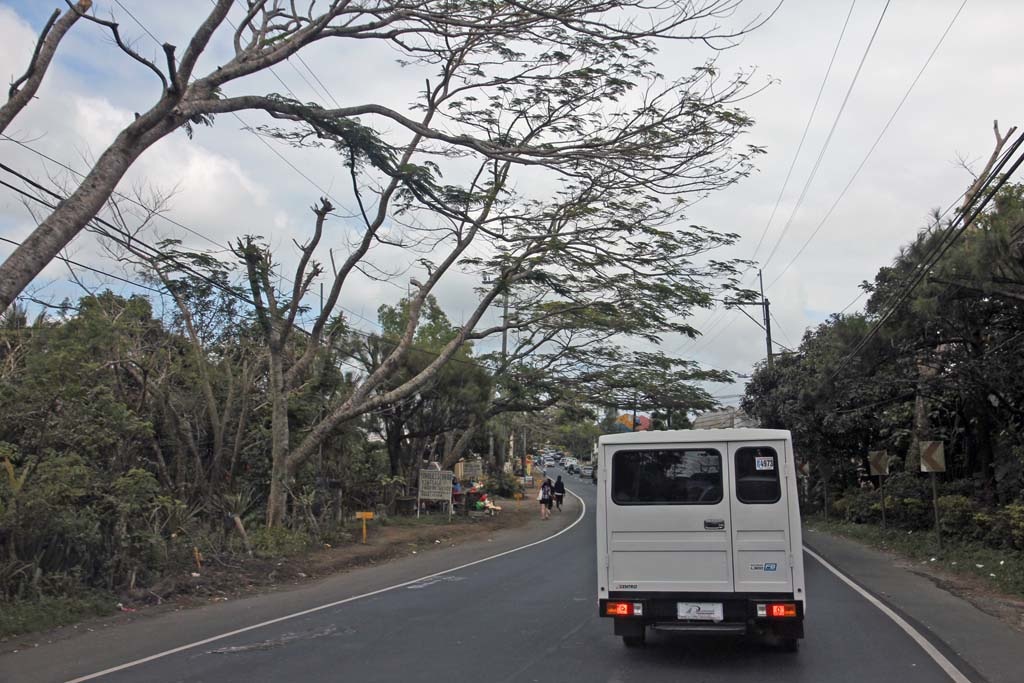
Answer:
(531, 616)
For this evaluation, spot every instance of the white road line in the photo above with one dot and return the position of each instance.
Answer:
(199, 643)
(954, 673)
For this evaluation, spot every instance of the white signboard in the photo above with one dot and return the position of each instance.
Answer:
(436, 484)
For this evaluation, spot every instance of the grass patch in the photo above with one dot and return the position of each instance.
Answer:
(27, 616)
(1001, 570)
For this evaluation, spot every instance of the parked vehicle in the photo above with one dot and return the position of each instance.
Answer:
(586, 471)
(699, 531)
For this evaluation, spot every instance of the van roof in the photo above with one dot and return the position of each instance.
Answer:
(696, 435)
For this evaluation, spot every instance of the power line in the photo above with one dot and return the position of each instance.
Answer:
(178, 265)
(874, 145)
(77, 264)
(828, 138)
(778, 326)
(807, 128)
(945, 242)
(855, 300)
(159, 214)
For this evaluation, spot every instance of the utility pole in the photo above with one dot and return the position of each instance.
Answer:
(766, 316)
(767, 321)
(634, 410)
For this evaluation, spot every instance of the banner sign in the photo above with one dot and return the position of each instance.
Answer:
(933, 456)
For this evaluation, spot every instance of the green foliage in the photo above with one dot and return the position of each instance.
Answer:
(47, 612)
(957, 517)
(279, 542)
(947, 365)
(503, 484)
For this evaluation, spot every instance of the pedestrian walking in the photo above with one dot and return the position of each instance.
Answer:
(559, 491)
(546, 497)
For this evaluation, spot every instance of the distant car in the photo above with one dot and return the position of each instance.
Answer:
(586, 471)
(549, 462)
(571, 467)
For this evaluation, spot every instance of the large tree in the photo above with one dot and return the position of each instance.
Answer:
(524, 83)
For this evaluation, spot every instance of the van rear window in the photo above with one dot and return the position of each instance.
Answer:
(757, 475)
(667, 477)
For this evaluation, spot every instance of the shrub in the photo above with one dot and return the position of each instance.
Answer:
(860, 506)
(503, 484)
(279, 542)
(1011, 525)
(912, 513)
(956, 517)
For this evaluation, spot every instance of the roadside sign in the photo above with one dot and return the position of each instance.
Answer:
(435, 485)
(878, 462)
(933, 456)
(363, 516)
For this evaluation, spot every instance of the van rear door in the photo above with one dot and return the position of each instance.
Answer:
(760, 517)
(668, 518)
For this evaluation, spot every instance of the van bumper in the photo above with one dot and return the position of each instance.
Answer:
(743, 613)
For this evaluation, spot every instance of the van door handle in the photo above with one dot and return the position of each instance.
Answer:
(716, 524)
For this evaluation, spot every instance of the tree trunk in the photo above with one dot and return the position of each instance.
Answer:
(73, 213)
(24, 91)
(279, 474)
(460, 447)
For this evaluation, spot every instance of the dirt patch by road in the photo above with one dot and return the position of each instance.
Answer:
(396, 537)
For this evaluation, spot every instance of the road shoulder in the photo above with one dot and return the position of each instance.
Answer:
(985, 643)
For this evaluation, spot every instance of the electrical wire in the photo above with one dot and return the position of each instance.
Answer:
(874, 145)
(945, 243)
(807, 128)
(828, 138)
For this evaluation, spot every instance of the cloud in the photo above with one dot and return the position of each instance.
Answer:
(227, 183)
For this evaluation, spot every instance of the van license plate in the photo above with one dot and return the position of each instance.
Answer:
(699, 611)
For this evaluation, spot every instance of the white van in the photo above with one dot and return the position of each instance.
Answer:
(699, 531)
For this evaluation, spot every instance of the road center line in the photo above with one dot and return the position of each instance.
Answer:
(954, 673)
(205, 641)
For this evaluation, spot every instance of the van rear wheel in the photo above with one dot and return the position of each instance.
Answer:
(633, 641)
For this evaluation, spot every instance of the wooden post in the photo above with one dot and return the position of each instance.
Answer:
(881, 487)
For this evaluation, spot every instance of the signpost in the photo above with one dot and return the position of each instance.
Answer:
(435, 485)
(878, 461)
(933, 459)
(364, 516)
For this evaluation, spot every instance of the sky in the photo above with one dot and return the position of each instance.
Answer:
(226, 182)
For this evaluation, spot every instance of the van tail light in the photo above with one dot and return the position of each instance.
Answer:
(777, 610)
(624, 609)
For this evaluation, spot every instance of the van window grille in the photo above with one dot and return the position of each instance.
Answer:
(757, 475)
(667, 477)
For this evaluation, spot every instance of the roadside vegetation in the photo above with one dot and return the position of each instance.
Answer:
(947, 366)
